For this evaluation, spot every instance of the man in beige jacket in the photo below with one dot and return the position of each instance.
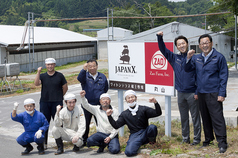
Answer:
(69, 124)
(106, 135)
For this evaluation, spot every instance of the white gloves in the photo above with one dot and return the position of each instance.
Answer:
(15, 106)
(38, 134)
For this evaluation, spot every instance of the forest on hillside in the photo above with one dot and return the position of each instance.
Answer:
(15, 12)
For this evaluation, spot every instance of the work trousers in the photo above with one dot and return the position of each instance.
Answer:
(66, 134)
(186, 103)
(140, 138)
(97, 139)
(49, 110)
(212, 118)
(29, 137)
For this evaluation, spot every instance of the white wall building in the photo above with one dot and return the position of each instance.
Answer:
(63, 45)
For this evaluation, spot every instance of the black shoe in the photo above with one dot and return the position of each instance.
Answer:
(222, 150)
(40, 148)
(84, 144)
(101, 148)
(75, 149)
(60, 145)
(29, 148)
(185, 141)
(207, 144)
(194, 143)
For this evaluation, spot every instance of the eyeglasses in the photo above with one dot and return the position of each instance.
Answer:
(205, 43)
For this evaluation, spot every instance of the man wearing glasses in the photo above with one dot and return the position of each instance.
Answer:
(212, 75)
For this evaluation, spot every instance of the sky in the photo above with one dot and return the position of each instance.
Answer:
(177, 0)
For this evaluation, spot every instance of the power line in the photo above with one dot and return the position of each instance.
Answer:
(120, 17)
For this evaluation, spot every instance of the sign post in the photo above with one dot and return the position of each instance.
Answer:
(120, 109)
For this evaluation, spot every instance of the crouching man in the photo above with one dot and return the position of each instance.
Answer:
(106, 135)
(35, 125)
(73, 121)
(136, 118)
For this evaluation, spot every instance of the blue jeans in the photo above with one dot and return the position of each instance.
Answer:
(97, 139)
(140, 138)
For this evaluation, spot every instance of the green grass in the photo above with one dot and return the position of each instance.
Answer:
(66, 66)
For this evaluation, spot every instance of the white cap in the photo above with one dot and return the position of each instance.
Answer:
(128, 92)
(105, 95)
(69, 96)
(50, 61)
(29, 101)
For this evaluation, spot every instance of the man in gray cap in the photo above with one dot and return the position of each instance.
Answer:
(73, 121)
(53, 87)
(106, 135)
(35, 125)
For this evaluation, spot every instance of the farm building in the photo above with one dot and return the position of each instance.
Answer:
(221, 42)
(115, 33)
(63, 45)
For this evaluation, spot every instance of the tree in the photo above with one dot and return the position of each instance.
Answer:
(223, 22)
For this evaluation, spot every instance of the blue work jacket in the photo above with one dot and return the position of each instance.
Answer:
(184, 81)
(212, 75)
(93, 88)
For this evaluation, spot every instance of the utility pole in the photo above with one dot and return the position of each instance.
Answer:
(31, 39)
(236, 42)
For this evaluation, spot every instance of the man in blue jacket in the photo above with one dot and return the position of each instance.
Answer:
(212, 75)
(35, 126)
(95, 84)
(186, 87)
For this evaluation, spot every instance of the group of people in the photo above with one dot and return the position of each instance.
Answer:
(71, 123)
(200, 80)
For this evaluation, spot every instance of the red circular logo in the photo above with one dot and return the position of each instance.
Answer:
(158, 61)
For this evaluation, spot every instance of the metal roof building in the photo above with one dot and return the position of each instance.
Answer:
(115, 33)
(221, 42)
(63, 45)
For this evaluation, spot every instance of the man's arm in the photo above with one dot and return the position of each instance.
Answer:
(58, 120)
(37, 80)
(45, 124)
(14, 112)
(82, 75)
(85, 103)
(115, 124)
(114, 132)
(157, 111)
(106, 86)
(65, 88)
(167, 53)
(223, 77)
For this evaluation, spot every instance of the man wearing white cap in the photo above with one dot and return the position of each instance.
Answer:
(73, 121)
(35, 125)
(106, 135)
(136, 118)
(53, 87)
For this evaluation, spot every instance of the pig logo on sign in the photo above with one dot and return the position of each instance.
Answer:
(125, 55)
